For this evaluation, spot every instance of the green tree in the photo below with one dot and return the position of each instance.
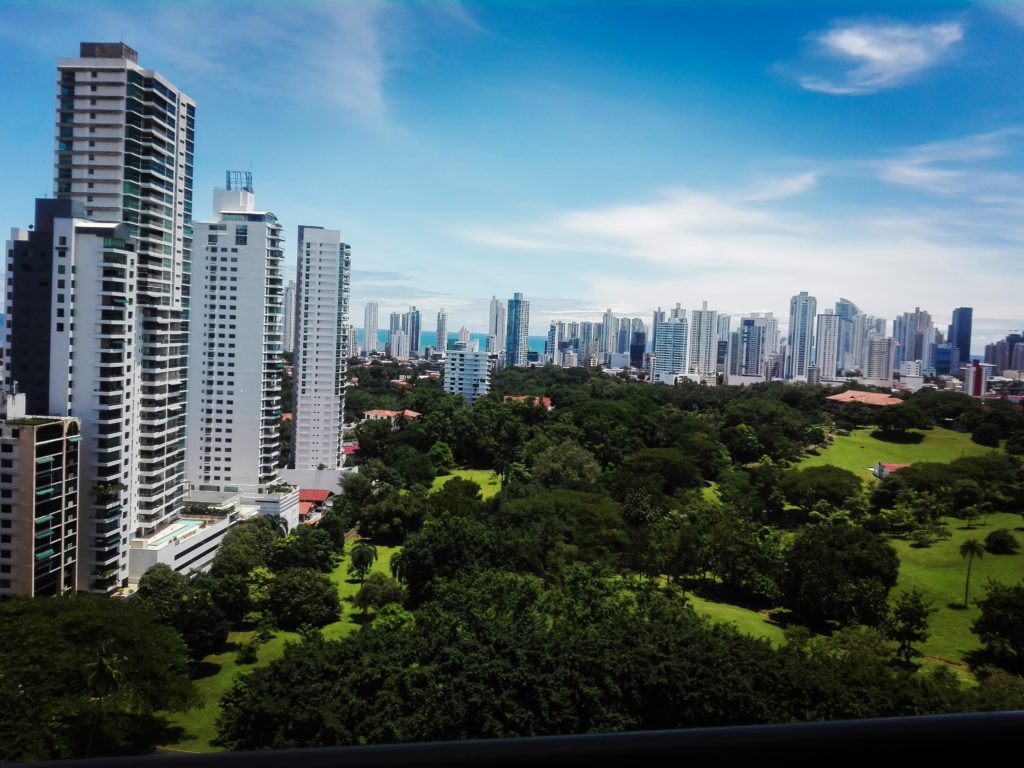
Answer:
(441, 456)
(834, 485)
(970, 549)
(202, 624)
(839, 574)
(567, 464)
(907, 623)
(377, 591)
(1001, 624)
(305, 547)
(364, 555)
(986, 434)
(301, 596)
(162, 590)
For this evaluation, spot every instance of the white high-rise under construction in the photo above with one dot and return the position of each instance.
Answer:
(323, 289)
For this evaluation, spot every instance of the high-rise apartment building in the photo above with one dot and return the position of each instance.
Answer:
(370, 344)
(124, 150)
(657, 317)
(670, 359)
(517, 335)
(800, 344)
(846, 311)
(826, 345)
(609, 332)
(39, 511)
(496, 326)
(324, 268)
(752, 346)
(879, 358)
(703, 357)
(411, 327)
(72, 347)
(960, 332)
(236, 340)
(441, 336)
(467, 372)
(915, 338)
(289, 317)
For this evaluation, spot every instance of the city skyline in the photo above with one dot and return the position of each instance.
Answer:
(739, 162)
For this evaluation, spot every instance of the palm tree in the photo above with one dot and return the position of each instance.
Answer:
(280, 525)
(970, 549)
(104, 676)
(398, 566)
(364, 555)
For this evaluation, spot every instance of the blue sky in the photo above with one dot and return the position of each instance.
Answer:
(592, 155)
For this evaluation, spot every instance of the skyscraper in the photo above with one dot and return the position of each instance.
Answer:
(517, 335)
(800, 344)
(672, 338)
(826, 345)
(753, 345)
(960, 332)
(703, 357)
(914, 333)
(657, 317)
(846, 311)
(441, 339)
(42, 352)
(324, 270)
(879, 358)
(496, 327)
(289, 317)
(609, 332)
(411, 326)
(234, 373)
(370, 344)
(125, 140)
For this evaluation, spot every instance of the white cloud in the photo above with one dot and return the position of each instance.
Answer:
(879, 56)
(776, 189)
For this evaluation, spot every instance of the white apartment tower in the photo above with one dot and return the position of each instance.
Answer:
(236, 339)
(800, 344)
(879, 358)
(703, 357)
(826, 344)
(289, 317)
(71, 269)
(323, 288)
(125, 145)
(671, 338)
(370, 344)
(467, 372)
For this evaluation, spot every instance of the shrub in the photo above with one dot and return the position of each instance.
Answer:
(986, 434)
(248, 653)
(1001, 542)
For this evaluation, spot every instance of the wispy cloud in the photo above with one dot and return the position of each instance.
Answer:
(777, 189)
(966, 167)
(875, 57)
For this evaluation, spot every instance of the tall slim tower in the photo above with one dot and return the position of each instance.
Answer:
(703, 341)
(370, 344)
(517, 337)
(324, 269)
(496, 326)
(960, 332)
(411, 327)
(234, 381)
(670, 359)
(826, 344)
(802, 309)
(441, 338)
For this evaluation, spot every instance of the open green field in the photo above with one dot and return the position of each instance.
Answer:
(487, 479)
(221, 669)
(940, 572)
(745, 620)
(860, 450)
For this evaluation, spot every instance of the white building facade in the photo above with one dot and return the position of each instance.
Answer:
(236, 338)
(324, 267)
(370, 311)
(467, 372)
(800, 344)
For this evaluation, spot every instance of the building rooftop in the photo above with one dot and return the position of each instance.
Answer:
(313, 495)
(864, 398)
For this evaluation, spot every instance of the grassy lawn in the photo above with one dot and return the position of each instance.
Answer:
(221, 669)
(746, 621)
(487, 479)
(939, 572)
(860, 450)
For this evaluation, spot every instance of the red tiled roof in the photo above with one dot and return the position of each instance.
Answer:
(304, 507)
(313, 495)
(410, 414)
(890, 467)
(382, 412)
(350, 449)
(531, 399)
(865, 398)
